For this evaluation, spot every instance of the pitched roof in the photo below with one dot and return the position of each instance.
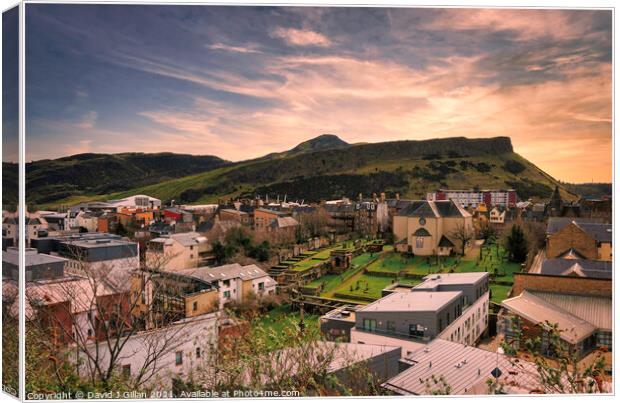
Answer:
(577, 267)
(571, 253)
(225, 272)
(537, 310)
(437, 208)
(444, 242)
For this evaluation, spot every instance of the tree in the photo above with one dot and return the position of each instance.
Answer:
(559, 369)
(264, 359)
(90, 346)
(516, 244)
(487, 232)
(462, 234)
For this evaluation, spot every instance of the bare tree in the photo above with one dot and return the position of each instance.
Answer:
(93, 314)
(462, 234)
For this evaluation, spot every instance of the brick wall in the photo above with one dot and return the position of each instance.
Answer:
(571, 236)
(561, 284)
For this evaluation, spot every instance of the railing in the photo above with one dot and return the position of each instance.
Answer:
(397, 335)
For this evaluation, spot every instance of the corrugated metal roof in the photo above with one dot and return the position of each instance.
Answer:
(596, 310)
(462, 367)
(537, 310)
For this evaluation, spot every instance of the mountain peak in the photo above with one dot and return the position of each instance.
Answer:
(322, 142)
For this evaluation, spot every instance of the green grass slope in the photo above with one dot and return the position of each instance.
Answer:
(410, 168)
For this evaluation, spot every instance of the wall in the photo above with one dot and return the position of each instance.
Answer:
(470, 325)
(571, 236)
(561, 284)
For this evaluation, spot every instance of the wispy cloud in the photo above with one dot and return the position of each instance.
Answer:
(300, 37)
(238, 90)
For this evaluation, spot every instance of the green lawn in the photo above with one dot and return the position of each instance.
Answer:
(499, 292)
(283, 318)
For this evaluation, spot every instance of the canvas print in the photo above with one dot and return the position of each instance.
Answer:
(260, 201)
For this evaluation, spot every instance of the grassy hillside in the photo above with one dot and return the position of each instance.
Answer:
(86, 175)
(410, 168)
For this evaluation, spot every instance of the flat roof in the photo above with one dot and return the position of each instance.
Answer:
(412, 302)
(98, 243)
(433, 280)
(32, 259)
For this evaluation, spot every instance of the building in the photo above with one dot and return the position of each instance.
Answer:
(38, 265)
(272, 220)
(428, 228)
(580, 304)
(577, 267)
(162, 297)
(234, 282)
(590, 240)
(181, 348)
(584, 322)
(472, 197)
(178, 251)
(135, 202)
(239, 216)
(450, 306)
(465, 369)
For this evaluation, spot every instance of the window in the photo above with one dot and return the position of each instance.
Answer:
(178, 358)
(391, 326)
(198, 352)
(370, 324)
(440, 325)
(419, 242)
(416, 330)
(126, 370)
(261, 286)
(195, 306)
(226, 294)
(226, 283)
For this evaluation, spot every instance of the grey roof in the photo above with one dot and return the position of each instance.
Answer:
(435, 281)
(437, 208)
(284, 222)
(600, 232)
(270, 211)
(537, 310)
(32, 259)
(444, 242)
(463, 367)
(412, 302)
(577, 267)
(596, 310)
(225, 272)
(184, 238)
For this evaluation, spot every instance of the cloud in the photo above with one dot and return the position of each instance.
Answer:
(298, 37)
(88, 121)
(237, 49)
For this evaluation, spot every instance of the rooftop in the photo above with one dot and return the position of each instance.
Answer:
(225, 272)
(437, 209)
(33, 258)
(538, 310)
(596, 310)
(578, 268)
(432, 281)
(412, 302)
(463, 367)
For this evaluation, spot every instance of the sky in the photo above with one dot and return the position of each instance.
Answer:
(241, 82)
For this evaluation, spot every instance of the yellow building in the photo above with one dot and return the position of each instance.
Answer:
(429, 228)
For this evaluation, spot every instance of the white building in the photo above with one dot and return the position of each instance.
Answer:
(134, 202)
(234, 281)
(161, 354)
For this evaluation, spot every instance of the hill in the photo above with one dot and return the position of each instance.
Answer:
(325, 168)
(51, 181)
